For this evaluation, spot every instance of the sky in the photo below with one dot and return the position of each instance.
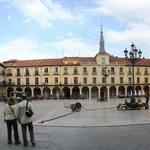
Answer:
(39, 29)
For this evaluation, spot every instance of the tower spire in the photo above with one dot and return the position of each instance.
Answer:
(102, 43)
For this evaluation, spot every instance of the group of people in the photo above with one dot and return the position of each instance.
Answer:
(135, 104)
(15, 113)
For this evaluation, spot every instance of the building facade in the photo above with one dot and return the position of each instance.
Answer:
(103, 76)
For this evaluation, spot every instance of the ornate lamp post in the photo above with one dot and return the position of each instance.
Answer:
(133, 57)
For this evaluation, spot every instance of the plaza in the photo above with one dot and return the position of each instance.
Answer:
(99, 125)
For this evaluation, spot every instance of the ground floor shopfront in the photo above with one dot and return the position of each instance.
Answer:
(79, 92)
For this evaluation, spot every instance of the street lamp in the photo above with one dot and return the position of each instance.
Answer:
(133, 57)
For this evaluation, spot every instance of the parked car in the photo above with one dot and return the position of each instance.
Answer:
(37, 97)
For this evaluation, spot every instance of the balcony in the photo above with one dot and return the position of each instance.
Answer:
(56, 73)
(146, 73)
(27, 74)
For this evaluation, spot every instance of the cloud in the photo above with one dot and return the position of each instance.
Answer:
(28, 48)
(44, 12)
(74, 47)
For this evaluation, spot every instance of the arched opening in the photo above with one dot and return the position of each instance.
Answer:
(94, 92)
(129, 91)
(121, 91)
(66, 93)
(146, 90)
(85, 93)
(19, 89)
(37, 91)
(103, 92)
(46, 93)
(138, 91)
(75, 93)
(10, 92)
(28, 91)
(112, 92)
(56, 93)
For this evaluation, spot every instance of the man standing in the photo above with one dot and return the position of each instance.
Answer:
(146, 102)
(25, 121)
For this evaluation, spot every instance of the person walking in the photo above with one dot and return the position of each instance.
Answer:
(10, 117)
(26, 121)
(147, 101)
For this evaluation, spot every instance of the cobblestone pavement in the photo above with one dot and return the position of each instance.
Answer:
(91, 128)
(92, 114)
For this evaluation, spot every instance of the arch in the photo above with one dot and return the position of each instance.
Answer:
(76, 93)
(19, 89)
(56, 92)
(129, 91)
(121, 91)
(66, 92)
(103, 92)
(10, 91)
(146, 90)
(37, 91)
(28, 91)
(94, 92)
(85, 92)
(46, 92)
(112, 91)
(138, 91)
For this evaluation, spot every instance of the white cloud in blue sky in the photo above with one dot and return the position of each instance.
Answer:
(33, 29)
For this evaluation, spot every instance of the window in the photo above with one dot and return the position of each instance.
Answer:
(18, 71)
(56, 80)
(9, 72)
(55, 70)
(146, 71)
(121, 79)
(65, 80)
(27, 81)
(75, 80)
(94, 80)
(46, 80)
(36, 71)
(27, 71)
(75, 71)
(18, 81)
(94, 70)
(138, 80)
(46, 70)
(84, 80)
(121, 70)
(138, 71)
(36, 81)
(129, 80)
(146, 80)
(112, 80)
(112, 70)
(84, 70)
(65, 70)
(103, 80)
(129, 71)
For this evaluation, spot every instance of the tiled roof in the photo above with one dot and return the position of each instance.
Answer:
(48, 62)
(142, 62)
(36, 62)
(67, 61)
